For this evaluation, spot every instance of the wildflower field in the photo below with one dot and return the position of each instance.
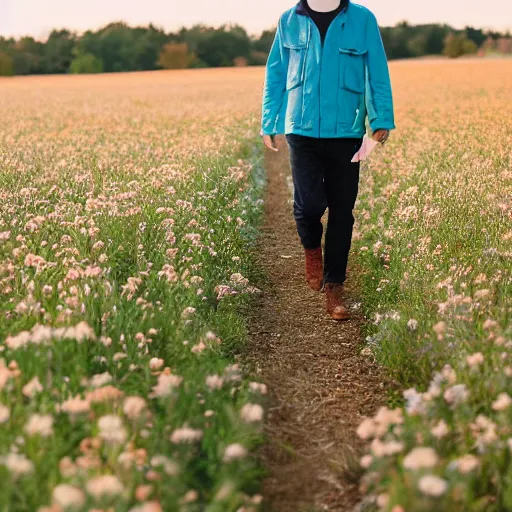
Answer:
(435, 250)
(128, 208)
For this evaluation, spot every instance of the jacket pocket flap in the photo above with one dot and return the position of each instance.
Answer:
(294, 46)
(353, 51)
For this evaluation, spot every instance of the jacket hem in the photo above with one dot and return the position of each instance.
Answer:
(326, 135)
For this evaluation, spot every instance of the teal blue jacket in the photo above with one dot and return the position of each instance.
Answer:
(329, 90)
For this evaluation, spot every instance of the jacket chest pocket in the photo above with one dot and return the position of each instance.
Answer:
(297, 54)
(351, 105)
(352, 72)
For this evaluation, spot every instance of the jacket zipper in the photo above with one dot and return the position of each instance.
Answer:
(310, 21)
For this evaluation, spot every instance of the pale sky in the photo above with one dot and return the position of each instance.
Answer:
(38, 17)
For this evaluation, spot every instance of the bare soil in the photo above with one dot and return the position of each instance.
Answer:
(319, 383)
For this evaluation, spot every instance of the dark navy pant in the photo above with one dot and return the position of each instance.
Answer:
(324, 177)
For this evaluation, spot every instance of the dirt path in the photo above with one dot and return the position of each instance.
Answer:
(320, 385)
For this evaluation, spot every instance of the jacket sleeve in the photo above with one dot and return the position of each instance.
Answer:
(379, 98)
(274, 89)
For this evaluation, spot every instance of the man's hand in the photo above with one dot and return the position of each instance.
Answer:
(381, 136)
(270, 142)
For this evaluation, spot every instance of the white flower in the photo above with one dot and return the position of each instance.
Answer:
(186, 435)
(382, 500)
(67, 496)
(32, 388)
(503, 402)
(257, 387)
(251, 413)
(421, 457)
(214, 382)
(467, 463)
(366, 429)
(432, 485)
(188, 312)
(415, 403)
(448, 374)
(166, 385)
(169, 466)
(439, 328)
(380, 449)
(456, 395)
(150, 506)
(156, 364)
(385, 418)
(366, 461)
(440, 430)
(75, 406)
(412, 324)
(105, 485)
(100, 379)
(189, 497)
(475, 360)
(4, 414)
(112, 429)
(40, 424)
(134, 406)
(239, 279)
(485, 432)
(17, 464)
(233, 452)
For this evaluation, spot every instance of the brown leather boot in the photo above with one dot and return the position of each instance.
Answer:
(314, 268)
(335, 307)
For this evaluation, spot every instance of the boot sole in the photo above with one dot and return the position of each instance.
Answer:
(339, 319)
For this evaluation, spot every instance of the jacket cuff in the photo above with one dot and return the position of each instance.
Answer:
(379, 124)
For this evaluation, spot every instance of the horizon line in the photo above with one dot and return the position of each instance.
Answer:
(80, 32)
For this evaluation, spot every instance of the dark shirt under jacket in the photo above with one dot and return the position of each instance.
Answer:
(322, 19)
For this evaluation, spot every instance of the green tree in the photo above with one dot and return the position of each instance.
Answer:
(194, 36)
(57, 52)
(114, 45)
(26, 56)
(396, 41)
(435, 36)
(264, 42)
(457, 45)
(86, 63)
(6, 65)
(476, 35)
(223, 46)
(148, 43)
(175, 56)
(417, 44)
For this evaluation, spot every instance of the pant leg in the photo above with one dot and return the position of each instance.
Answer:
(341, 178)
(310, 201)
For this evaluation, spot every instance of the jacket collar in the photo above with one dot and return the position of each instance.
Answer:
(302, 10)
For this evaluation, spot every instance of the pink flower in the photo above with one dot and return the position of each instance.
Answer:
(32, 388)
(186, 435)
(251, 413)
(432, 485)
(419, 458)
(475, 360)
(502, 402)
(234, 452)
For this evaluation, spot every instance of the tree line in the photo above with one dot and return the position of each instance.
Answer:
(119, 47)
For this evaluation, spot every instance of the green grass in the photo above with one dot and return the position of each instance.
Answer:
(116, 222)
(436, 282)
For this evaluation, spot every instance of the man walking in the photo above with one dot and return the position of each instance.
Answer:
(326, 74)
